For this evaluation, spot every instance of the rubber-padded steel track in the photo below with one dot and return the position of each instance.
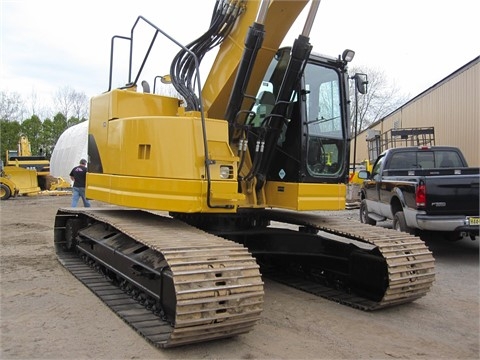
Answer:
(218, 287)
(411, 266)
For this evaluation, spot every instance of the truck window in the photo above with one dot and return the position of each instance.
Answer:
(399, 161)
(425, 160)
(448, 159)
(438, 159)
(376, 169)
(407, 160)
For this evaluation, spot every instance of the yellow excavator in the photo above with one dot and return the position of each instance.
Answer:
(218, 187)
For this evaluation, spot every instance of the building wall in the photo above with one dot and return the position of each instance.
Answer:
(452, 107)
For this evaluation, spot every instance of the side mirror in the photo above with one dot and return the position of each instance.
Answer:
(363, 174)
(361, 82)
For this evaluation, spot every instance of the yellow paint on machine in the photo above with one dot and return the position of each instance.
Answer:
(158, 162)
(303, 196)
(154, 193)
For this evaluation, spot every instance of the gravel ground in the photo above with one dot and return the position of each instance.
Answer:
(46, 313)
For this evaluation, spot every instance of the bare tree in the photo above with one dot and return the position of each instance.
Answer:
(382, 98)
(12, 106)
(71, 103)
(80, 105)
(63, 100)
(36, 107)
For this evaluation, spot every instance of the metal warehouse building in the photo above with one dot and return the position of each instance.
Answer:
(451, 107)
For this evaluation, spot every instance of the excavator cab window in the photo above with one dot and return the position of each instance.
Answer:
(263, 105)
(325, 131)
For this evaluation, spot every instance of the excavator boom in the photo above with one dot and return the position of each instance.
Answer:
(276, 23)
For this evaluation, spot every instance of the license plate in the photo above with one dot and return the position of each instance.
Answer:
(474, 220)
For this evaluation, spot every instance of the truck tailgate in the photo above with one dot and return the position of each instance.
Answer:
(452, 194)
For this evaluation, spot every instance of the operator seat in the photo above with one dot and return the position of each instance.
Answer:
(265, 105)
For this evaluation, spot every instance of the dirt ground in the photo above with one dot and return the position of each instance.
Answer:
(46, 313)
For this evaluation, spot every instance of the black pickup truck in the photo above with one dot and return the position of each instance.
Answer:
(427, 188)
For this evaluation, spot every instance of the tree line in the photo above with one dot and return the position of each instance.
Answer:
(43, 133)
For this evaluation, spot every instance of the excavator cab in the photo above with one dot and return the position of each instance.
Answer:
(309, 140)
(313, 142)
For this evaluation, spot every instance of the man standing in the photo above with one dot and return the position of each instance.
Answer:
(79, 177)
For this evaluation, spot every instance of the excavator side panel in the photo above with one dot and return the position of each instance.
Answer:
(157, 162)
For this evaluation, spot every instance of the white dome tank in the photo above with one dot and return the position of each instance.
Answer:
(71, 146)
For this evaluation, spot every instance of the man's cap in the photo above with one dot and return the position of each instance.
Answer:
(83, 162)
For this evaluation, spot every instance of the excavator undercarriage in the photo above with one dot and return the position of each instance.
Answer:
(178, 283)
(172, 283)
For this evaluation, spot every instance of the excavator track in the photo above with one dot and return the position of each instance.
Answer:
(217, 289)
(410, 265)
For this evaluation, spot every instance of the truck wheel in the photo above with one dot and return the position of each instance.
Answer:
(5, 192)
(400, 224)
(364, 218)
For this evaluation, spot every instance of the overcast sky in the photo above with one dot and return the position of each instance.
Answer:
(51, 44)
